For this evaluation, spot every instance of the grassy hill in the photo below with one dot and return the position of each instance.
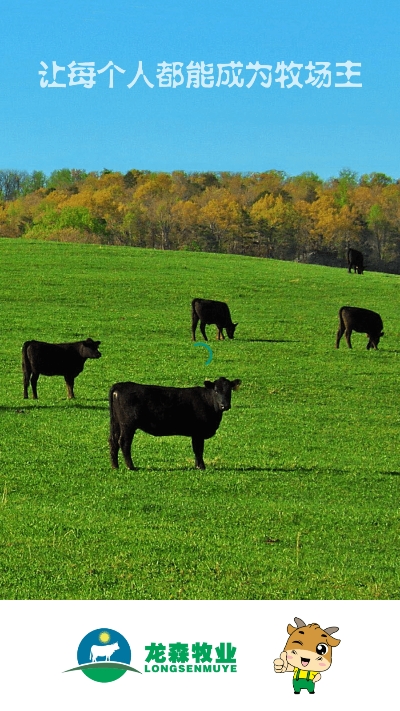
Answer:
(300, 498)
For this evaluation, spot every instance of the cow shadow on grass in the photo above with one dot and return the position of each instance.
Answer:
(212, 469)
(288, 470)
(291, 470)
(25, 409)
(271, 340)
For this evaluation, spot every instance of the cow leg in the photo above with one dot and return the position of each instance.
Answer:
(195, 321)
(115, 434)
(347, 335)
(339, 335)
(198, 449)
(27, 377)
(125, 442)
(203, 330)
(220, 335)
(34, 379)
(70, 386)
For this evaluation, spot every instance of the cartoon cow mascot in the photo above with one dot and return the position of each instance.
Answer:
(307, 653)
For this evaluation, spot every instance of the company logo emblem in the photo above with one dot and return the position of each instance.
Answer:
(104, 655)
(210, 353)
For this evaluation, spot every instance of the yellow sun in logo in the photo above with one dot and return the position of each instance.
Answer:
(104, 637)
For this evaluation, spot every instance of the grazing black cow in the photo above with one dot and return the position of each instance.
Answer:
(207, 311)
(160, 411)
(355, 261)
(67, 359)
(352, 318)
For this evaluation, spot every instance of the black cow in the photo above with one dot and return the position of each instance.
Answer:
(160, 411)
(207, 311)
(67, 359)
(355, 261)
(352, 318)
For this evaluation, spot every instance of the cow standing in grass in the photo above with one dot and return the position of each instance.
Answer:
(162, 411)
(307, 653)
(355, 260)
(352, 318)
(67, 359)
(207, 311)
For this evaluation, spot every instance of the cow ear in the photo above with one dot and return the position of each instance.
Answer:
(208, 384)
(235, 384)
(97, 343)
(236, 324)
(291, 629)
(334, 642)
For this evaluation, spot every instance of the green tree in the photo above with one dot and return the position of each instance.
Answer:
(376, 179)
(11, 182)
(32, 182)
(65, 178)
(304, 186)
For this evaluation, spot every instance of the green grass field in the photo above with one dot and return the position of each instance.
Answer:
(300, 498)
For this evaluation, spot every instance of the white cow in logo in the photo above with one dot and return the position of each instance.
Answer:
(106, 650)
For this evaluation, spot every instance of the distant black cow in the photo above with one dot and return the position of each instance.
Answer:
(207, 311)
(352, 318)
(67, 359)
(160, 411)
(355, 261)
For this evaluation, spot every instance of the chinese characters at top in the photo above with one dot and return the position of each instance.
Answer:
(199, 75)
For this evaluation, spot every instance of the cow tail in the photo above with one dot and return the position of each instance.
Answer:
(114, 423)
(26, 366)
(195, 319)
(341, 322)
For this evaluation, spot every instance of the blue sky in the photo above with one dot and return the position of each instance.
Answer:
(220, 128)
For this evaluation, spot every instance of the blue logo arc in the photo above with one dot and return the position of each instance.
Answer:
(210, 353)
(104, 637)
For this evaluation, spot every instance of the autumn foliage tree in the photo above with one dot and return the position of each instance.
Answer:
(269, 214)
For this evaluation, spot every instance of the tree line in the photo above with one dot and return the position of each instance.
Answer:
(269, 214)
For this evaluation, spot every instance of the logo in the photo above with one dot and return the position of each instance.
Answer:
(104, 655)
(307, 653)
(210, 353)
(197, 657)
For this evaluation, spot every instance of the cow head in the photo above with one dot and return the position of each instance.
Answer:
(221, 392)
(231, 329)
(309, 647)
(89, 349)
(374, 340)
